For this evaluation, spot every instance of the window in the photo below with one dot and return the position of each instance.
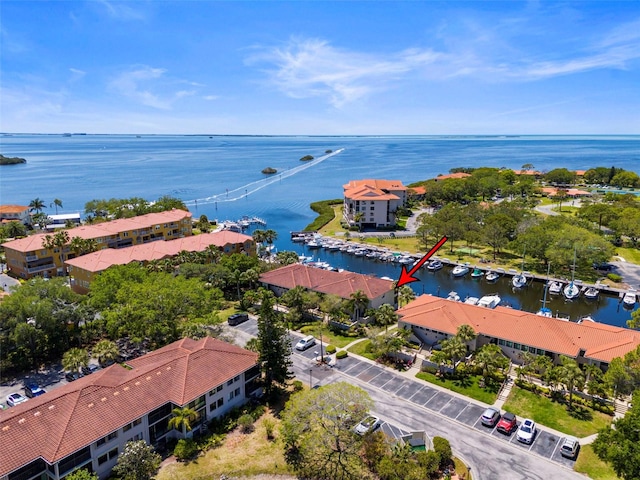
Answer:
(212, 407)
(501, 342)
(135, 423)
(517, 346)
(113, 453)
(540, 352)
(509, 344)
(230, 382)
(236, 378)
(136, 438)
(106, 439)
(237, 391)
(102, 459)
(220, 402)
(372, 208)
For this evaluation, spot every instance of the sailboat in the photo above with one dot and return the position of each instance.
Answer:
(544, 311)
(572, 291)
(519, 280)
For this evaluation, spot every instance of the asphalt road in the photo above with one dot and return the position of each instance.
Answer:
(411, 405)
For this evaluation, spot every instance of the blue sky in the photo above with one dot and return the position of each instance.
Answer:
(314, 68)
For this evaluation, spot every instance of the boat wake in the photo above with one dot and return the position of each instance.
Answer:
(252, 187)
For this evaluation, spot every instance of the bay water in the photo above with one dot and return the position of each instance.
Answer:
(220, 176)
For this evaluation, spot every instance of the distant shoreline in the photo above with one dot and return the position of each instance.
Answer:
(11, 160)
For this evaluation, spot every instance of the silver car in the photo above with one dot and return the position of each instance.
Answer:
(369, 424)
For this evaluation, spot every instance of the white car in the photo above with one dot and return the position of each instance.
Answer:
(526, 431)
(306, 342)
(14, 399)
(369, 424)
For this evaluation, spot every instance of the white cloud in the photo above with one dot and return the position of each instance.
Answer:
(210, 97)
(133, 84)
(121, 10)
(313, 68)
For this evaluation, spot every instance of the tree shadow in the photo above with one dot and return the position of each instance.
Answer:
(580, 413)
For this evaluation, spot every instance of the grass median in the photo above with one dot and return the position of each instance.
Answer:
(467, 386)
(555, 415)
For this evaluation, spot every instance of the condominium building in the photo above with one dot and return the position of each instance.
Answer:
(373, 203)
(86, 423)
(341, 284)
(433, 319)
(15, 213)
(29, 257)
(83, 269)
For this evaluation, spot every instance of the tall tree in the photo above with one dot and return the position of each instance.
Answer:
(317, 432)
(137, 461)
(571, 376)
(619, 444)
(274, 345)
(182, 418)
(386, 315)
(466, 333)
(406, 294)
(37, 205)
(360, 302)
(74, 359)
(56, 203)
(489, 358)
(455, 349)
(105, 351)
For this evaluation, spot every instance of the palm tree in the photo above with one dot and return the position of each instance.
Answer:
(489, 358)
(406, 294)
(37, 205)
(455, 349)
(182, 417)
(237, 277)
(270, 236)
(571, 376)
(466, 333)
(358, 218)
(105, 351)
(386, 315)
(360, 302)
(74, 359)
(213, 253)
(57, 203)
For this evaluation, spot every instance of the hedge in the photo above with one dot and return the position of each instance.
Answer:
(325, 213)
(341, 354)
(330, 349)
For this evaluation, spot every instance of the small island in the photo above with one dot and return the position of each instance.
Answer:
(328, 151)
(11, 160)
(306, 158)
(269, 171)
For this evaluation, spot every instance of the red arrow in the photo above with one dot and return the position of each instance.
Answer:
(407, 277)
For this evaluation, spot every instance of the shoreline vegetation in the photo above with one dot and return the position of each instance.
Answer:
(11, 160)
(269, 171)
(306, 158)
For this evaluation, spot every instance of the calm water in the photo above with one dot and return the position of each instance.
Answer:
(221, 177)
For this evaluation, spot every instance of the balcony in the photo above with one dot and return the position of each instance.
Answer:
(41, 268)
(31, 258)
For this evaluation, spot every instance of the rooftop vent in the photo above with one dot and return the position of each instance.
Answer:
(22, 420)
(37, 414)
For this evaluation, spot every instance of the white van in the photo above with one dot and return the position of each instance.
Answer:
(306, 342)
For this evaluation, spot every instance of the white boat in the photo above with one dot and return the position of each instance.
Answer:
(471, 300)
(489, 301)
(460, 270)
(519, 280)
(491, 276)
(453, 296)
(591, 293)
(629, 299)
(571, 291)
(434, 265)
(544, 312)
(406, 259)
(313, 244)
(555, 287)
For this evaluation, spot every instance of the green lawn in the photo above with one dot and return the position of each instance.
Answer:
(589, 464)
(526, 404)
(629, 254)
(467, 386)
(328, 337)
(363, 349)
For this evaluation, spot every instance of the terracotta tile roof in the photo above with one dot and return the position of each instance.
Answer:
(380, 184)
(342, 284)
(12, 209)
(105, 229)
(453, 175)
(600, 341)
(580, 173)
(421, 190)
(571, 192)
(527, 172)
(107, 257)
(70, 417)
(373, 189)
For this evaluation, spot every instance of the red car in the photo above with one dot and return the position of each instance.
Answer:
(507, 423)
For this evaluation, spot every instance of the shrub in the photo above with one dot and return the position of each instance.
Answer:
(342, 354)
(185, 449)
(269, 427)
(330, 349)
(297, 385)
(211, 441)
(245, 422)
(443, 448)
(614, 277)
(258, 412)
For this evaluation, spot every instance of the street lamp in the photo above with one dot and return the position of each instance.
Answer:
(310, 380)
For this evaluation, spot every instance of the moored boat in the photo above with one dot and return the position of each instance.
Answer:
(519, 280)
(629, 299)
(453, 296)
(460, 270)
(489, 301)
(591, 293)
(477, 273)
(434, 265)
(571, 291)
(555, 287)
(491, 276)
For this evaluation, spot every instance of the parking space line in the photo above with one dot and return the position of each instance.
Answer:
(556, 447)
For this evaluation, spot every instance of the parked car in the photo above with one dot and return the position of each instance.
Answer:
(306, 342)
(89, 369)
(490, 417)
(237, 319)
(72, 376)
(507, 423)
(605, 267)
(14, 399)
(527, 431)
(570, 447)
(32, 390)
(368, 424)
